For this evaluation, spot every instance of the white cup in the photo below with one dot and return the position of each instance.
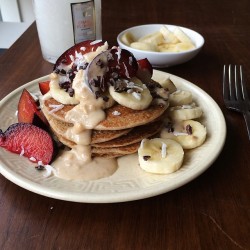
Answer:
(63, 23)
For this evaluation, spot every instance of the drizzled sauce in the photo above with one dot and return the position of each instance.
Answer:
(77, 164)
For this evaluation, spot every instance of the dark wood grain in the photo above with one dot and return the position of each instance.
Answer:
(211, 212)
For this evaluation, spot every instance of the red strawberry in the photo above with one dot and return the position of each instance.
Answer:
(27, 109)
(28, 140)
(44, 87)
(82, 47)
(145, 70)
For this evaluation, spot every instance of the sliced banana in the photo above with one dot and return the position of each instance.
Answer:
(184, 46)
(168, 47)
(180, 97)
(169, 37)
(160, 156)
(144, 46)
(127, 38)
(137, 96)
(59, 94)
(166, 83)
(181, 35)
(185, 112)
(190, 134)
(154, 38)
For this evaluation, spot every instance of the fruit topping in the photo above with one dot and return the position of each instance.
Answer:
(28, 110)
(28, 140)
(44, 87)
(75, 58)
(76, 52)
(145, 70)
(108, 68)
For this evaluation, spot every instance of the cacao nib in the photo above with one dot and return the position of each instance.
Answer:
(146, 157)
(189, 129)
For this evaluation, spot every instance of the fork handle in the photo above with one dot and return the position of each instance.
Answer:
(247, 120)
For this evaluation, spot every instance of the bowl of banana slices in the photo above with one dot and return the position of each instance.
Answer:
(163, 45)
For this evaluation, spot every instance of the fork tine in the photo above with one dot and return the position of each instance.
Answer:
(231, 83)
(243, 86)
(238, 87)
(225, 85)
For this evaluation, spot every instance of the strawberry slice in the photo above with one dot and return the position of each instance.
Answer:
(27, 109)
(82, 48)
(44, 87)
(28, 140)
(145, 70)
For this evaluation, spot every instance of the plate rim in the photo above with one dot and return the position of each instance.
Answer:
(115, 196)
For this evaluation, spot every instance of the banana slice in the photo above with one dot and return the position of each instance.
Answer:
(185, 112)
(190, 134)
(181, 35)
(59, 94)
(144, 46)
(154, 38)
(168, 47)
(160, 156)
(180, 97)
(137, 96)
(127, 38)
(184, 46)
(166, 83)
(169, 36)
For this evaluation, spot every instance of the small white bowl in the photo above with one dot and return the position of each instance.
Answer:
(162, 59)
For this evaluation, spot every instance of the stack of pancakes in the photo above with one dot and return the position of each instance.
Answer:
(119, 134)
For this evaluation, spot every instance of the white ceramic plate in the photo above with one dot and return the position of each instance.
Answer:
(129, 182)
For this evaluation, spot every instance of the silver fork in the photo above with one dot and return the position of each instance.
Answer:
(235, 92)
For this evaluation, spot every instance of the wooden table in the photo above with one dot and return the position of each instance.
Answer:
(211, 212)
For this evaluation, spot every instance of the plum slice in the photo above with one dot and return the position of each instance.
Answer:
(108, 67)
(29, 112)
(44, 87)
(145, 70)
(28, 140)
(78, 49)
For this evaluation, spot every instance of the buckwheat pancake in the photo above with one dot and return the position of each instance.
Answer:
(124, 150)
(126, 118)
(134, 135)
(137, 134)
(108, 152)
(60, 127)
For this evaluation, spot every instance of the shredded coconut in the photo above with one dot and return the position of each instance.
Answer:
(116, 112)
(130, 60)
(32, 158)
(163, 150)
(22, 152)
(137, 95)
(95, 42)
(71, 58)
(126, 71)
(55, 107)
(49, 169)
(83, 48)
(176, 133)
(118, 53)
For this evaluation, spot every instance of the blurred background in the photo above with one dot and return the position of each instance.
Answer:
(15, 17)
